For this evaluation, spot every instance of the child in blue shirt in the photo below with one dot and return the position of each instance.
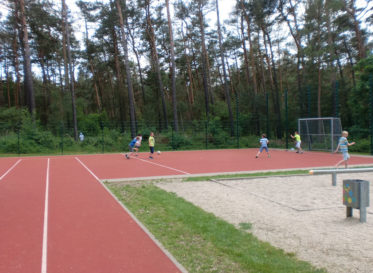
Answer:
(131, 147)
(343, 147)
(263, 145)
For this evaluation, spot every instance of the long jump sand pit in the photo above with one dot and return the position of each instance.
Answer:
(300, 214)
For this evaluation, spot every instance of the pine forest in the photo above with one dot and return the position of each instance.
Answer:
(197, 75)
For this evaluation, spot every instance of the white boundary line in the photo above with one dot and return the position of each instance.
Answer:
(151, 236)
(45, 227)
(160, 165)
(11, 168)
(98, 179)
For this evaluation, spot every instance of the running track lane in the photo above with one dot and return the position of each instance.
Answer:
(115, 166)
(89, 231)
(21, 216)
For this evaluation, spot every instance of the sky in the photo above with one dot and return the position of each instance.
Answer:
(225, 9)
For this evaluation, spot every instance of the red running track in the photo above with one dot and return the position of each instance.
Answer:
(115, 166)
(87, 229)
(21, 216)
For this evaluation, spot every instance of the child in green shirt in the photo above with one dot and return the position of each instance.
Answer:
(298, 142)
(151, 144)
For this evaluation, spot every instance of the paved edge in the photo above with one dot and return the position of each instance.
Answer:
(144, 178)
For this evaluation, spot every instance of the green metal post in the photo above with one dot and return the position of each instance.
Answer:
(267, 114)
(172, 138)
(309, 101)
(18, 142)
(102, 136)
(286, 120)
(237, 123)
(62, 133)
(371, 112)
(336, 99)
(206, 130)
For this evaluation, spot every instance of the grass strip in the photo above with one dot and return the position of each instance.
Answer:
(245, 175)
(200, 241)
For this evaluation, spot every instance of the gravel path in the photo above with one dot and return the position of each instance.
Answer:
(300, 214)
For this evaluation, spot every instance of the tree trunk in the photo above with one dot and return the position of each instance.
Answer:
(173, 68)
(247, 19)
(205, 74)
(28, 84)
(276, 89)
(155, 61)
(246, 59)
(351, 10)
(16, 67)
(351, 62)
(128, 71)
(120, 85)
(64, 54)
(92, 69)
(296, 34)
(46, 101)
(189, 68)
(97, 94)
(138, 66)
(226, 87)
(7, 77)
(71, 70)
(332, 57)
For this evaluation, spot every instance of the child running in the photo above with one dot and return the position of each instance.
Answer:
(263, 145)
(131, 146)
(298, 142)
(137, 144)
(343, 147)
(151, 144)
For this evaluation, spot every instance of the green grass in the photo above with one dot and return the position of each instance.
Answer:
(200, 241)
(244, 175)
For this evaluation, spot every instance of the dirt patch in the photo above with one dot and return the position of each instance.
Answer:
(300, 214)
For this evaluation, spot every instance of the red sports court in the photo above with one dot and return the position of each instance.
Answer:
(56, 216)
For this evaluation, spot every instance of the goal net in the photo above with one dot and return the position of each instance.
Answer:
(320, 133)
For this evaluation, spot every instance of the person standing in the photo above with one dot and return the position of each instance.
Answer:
(298, 142)
(151, 144)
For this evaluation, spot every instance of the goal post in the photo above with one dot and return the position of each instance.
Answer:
(320, 134)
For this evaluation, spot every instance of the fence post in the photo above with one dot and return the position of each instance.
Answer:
(371, 112)
(267, 114)
(102, 136)
(172, 137)
(308, 101)
(336, 99)
(237, 122)
(206, 132)
(62, 133)
(286, 120)
(18, 141)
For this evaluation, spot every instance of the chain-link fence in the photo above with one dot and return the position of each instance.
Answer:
(107, 137)
(96, 136)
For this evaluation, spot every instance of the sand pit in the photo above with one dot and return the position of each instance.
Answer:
(300, 214)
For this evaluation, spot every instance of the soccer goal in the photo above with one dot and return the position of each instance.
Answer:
(320, 133)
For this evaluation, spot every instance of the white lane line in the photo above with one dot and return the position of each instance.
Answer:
(45, 228)
(11, 168)
(98, 179)
(160, 165)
